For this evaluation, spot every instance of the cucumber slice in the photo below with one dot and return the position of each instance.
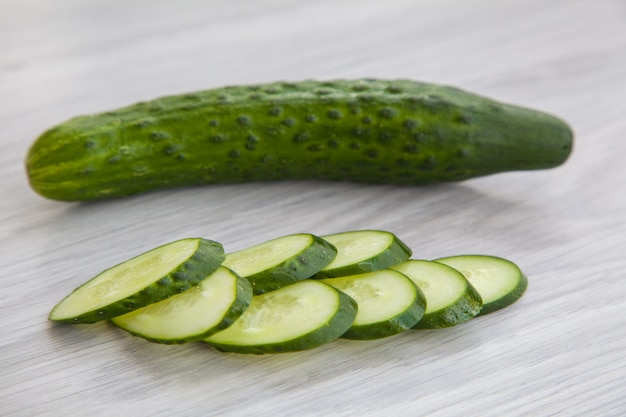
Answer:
(388, 303)
(300, 316)
(282, 261)
(211, 306)
(499, 282)
(145, 279)
(450, 299)
(364, 251)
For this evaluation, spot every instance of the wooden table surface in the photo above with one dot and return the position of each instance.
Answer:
(559, 351)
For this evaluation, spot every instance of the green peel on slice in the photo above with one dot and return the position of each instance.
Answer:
(450, 298)
(145, 279)
(211, 306)
(499, 282)
(363, 251)
(282, 261)
(300, 316)
(388, 303)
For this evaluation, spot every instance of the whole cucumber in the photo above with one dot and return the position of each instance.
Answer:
(378, 131)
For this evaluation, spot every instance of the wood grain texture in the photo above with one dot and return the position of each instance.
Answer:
(560, 351)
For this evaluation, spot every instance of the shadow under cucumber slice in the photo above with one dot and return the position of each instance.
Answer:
(450, 298)
(145, 279)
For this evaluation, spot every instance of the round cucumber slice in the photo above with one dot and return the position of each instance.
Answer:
(300, 316)
(145, 279)
(211, 306)
(450, 299)
(282, 261)
(363, 251)
(499, 282)
(388, 303)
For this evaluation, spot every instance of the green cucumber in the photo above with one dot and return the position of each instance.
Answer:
(388, 303)
(282, 261)
(145, 279)
(212, 305)
(378, 131)
(450, 298)
(300, 316)
(363, 251)
(500, 282)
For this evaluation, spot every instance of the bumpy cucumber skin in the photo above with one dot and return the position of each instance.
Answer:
(405, 321)
(336, 327)
(240, 304)
(308, 262)
(396, 253)
(377, 131)
(206, 259)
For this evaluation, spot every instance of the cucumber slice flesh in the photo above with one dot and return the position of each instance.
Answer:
(142, 280)
(296, 317)
(450, 299)
(282, 261)
(500, 282)
(212, 305)
(363, 251)
(388, 303)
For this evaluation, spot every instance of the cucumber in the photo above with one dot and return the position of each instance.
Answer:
(363, 251)
(450, 298)
(378, 131)
(499, 281)
(388, 303)
(145, 279)
(282, 261)
(300, 316)
(212, 305)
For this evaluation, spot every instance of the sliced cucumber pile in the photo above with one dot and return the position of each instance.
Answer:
(291, 293)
